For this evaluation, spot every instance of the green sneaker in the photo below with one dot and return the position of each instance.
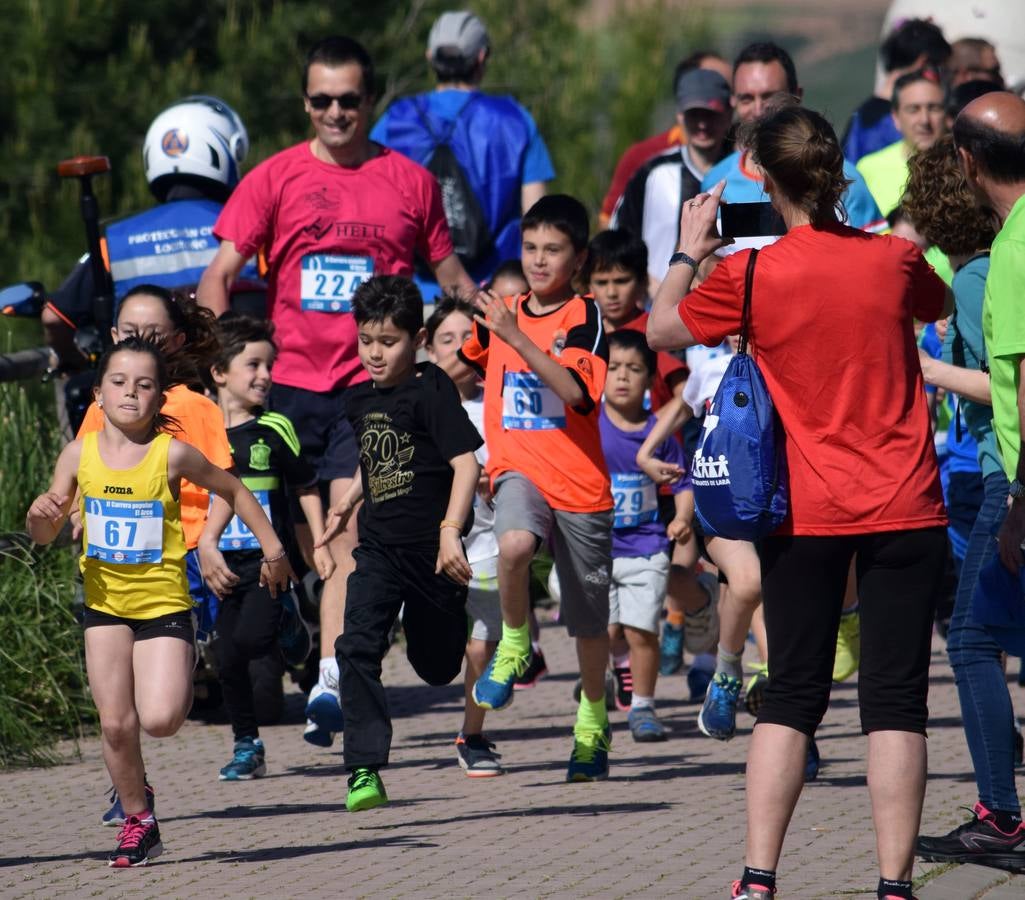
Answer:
(366, 790)
(848, 647)
(589, 760)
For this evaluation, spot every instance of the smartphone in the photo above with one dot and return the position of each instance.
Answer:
(742, 220)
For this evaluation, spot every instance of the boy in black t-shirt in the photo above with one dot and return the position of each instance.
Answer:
(418, 474)
(267, 456)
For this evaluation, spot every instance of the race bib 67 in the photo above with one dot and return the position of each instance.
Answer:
(124, 532)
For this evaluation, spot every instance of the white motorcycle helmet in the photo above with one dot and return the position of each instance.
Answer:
(199, 141)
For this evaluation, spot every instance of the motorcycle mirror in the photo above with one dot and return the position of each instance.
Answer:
(23, 299)
(81, 166)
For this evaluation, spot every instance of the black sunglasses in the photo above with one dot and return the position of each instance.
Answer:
(351, 100)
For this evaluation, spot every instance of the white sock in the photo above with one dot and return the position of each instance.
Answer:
(621, 661)
(329, 672)
(639, 701)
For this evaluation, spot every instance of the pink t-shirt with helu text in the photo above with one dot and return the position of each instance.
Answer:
(324, 230)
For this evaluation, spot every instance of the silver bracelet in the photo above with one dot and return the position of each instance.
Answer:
(272, 559)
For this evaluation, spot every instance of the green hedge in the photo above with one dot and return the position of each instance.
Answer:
(42, 667)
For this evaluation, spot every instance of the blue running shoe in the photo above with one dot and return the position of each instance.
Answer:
(317, 736)
(698, 681)
(116, 814)
(247, 763)
(494, 688)
(670, 650)
(589, 760)
(718, 716)
(813, 762)
(324, 708)
(644, 725)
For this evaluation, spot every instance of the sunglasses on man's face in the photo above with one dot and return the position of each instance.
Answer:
(351, 100)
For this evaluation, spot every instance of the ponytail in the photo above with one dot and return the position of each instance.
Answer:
(799, 151)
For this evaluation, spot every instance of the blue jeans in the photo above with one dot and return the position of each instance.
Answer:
(978, 670)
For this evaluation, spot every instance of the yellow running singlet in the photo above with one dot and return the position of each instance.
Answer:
(133, 563)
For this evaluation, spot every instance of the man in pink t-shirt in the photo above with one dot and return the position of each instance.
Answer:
(329, 214)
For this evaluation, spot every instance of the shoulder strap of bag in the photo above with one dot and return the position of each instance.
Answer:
(424, 116)
(745, 316)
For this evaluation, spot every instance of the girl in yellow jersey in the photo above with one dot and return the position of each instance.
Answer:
(138, 624)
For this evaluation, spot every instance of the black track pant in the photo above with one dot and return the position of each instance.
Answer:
(434, 622)
(247, 628)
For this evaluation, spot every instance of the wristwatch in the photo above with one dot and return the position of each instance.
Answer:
(1016, 490)
(680, 257)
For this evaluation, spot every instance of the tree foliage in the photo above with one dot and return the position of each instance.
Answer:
(88, 76)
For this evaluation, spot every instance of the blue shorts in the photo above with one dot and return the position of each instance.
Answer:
(325, 435)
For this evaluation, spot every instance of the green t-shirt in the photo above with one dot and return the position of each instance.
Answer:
(1003, 324)
(886, 174)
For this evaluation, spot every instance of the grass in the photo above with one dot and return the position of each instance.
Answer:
(43, 697)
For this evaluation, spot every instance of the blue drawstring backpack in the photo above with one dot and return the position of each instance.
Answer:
(998, 605)
(739, 470)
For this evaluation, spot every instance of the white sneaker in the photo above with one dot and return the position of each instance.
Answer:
(325, 708)
(314, 734)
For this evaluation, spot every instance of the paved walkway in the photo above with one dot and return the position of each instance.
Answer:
(669, 822)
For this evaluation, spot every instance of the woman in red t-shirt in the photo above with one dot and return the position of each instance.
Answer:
(832, 330)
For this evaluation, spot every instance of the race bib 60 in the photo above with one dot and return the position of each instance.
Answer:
(528, 404)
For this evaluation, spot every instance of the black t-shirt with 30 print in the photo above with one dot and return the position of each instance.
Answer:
(406, 436)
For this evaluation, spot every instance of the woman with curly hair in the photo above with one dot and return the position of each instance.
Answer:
(831, 325)
(941, 205)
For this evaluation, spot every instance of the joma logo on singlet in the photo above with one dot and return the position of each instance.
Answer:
(116, 489)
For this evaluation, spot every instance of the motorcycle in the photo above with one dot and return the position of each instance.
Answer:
(26, 300)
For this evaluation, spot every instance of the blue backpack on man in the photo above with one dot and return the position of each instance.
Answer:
(488, 137)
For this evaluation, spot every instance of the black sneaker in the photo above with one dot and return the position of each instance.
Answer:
(533, 673)
(138, 842)
(978, 841)
(624, 687)
(477, 756)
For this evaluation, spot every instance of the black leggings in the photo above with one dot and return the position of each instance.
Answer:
(434, 621)
(803, 581)
(247, 628)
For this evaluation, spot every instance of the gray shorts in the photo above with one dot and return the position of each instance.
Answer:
(581, 546)
(484, 608)
(638, 590)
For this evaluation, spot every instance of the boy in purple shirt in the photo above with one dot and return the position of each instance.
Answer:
(640, 541)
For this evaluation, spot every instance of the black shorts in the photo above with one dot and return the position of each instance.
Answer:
(325, 435)
(178, 625)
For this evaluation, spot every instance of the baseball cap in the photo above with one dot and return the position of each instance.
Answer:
(458, 33)
(702, 89)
